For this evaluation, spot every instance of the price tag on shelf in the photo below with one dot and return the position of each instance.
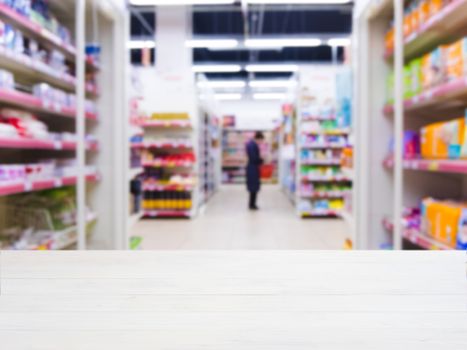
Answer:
(28, 187)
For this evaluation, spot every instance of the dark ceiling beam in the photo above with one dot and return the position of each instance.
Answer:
(345, 8)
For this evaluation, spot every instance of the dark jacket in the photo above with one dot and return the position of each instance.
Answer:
(253, 168)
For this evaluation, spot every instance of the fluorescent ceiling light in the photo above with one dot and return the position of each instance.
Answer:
(228, 96)
(283, 42)
(222, 84)
(179, 2)
(141, 44)
(269, 96)
(217, 68)
(213, 44)
(295, 2)
(272, 83)
(256, 68)
(339, 42)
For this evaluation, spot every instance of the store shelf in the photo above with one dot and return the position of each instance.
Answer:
(447, 23)
(435, 165)
(26, 143)
(332, 132)
(322, 146)
(60, 240)
(36, 105)
(348, 173)
(168, 187)
(7, 189)
(335, 161)
(317, 118)
(417, 238)
(167, 213)
(178, 124)
(449, 95)
(337, 178)
(324, 194)
(38, 32)
(162, 145)
(35, 70)
(320, 213)
(168, 164)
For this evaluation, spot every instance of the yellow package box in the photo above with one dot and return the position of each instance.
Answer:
(443, 140)
(455, 58)
(441, 220)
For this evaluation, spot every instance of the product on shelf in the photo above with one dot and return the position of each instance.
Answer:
(170, 116)
(436, 224)
(443, 140)
(25, 124)
(167, 200)
(16, 124)
(324, 189)
(314, 140)
(13, 42)
(442, 65)
(39, 12)
(347, 158)
(148, 158)
(43, 220)
(416, 14)
(321, 207)
(320, 171)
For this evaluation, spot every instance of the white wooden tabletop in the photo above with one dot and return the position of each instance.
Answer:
(233, 300)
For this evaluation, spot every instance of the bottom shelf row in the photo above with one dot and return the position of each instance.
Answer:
(435, 225)
(44, 220)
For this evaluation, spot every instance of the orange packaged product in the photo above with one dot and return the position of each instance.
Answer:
(440, 220)
(424, 11)
(435, 7)
(415, 18)
(389, 40)
(443, 140)
(407, 25)
(451, 213)
(426, 72)
(455, 57)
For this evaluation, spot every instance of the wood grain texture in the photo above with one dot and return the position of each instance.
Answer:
(233, 300)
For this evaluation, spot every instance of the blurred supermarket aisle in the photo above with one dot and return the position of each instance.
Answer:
(227, 224)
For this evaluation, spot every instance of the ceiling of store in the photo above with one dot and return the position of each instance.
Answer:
(261, 20)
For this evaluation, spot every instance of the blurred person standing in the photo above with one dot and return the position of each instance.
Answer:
(253, 169)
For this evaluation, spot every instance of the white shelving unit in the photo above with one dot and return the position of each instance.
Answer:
(168, 152)
(313, 114)
(95, 176)
(386, 186)
(208, 155)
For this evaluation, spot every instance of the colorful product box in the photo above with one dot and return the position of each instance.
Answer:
(432, 69)
(441, 220)
(443, 140)
(435, 6)
(455, 57)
